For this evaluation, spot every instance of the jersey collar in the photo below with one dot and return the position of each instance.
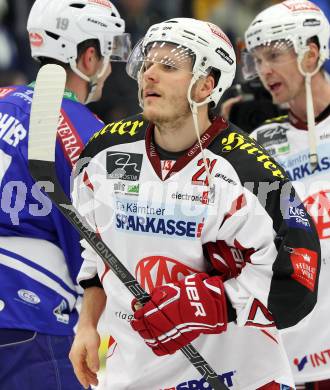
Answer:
(218, 125)
(67, 94)
(300, 124)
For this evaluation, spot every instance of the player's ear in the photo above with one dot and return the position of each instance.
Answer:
(311, 57)
(88, 61)
(204, 88)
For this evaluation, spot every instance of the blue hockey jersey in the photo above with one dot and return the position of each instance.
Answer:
(40, 254)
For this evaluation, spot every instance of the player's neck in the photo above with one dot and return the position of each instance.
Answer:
(179, 135)
(78, 86)
(321, 98)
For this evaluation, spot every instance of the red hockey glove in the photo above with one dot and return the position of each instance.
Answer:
(179, 312)
(226, 260)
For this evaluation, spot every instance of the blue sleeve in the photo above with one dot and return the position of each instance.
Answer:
(25, 211)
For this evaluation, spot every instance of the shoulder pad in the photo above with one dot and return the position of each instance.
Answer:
(278, 119)
(20, 95)
(5, 91)
(130, 127)
(249, 159)
(127, 130)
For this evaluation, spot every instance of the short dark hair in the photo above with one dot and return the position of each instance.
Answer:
(315, 40)
(81, 48)
(213, 109)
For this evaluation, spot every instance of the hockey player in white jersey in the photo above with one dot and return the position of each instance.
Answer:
(204, 219)
(288, 44)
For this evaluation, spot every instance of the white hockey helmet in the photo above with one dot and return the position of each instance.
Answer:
(56, 27)
(207, 45)
(293, 21)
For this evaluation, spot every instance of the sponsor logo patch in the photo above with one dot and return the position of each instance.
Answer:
(58, 312)
(133, 189)
(225, 178)
(272, 136)
(311, 22)
(159, 226)
(124, 316)
(201, 384)
(304, 263)
(203, 198)
(318, 206)
(300, 168)
(124, 166)
(28, 296)
(120, 128)
(36, 39)
(219, 33)
(224, 55)
(104, 3)
(97, 22)
(297, 217)
(300, 363)
(69, 139)
(301, 5)
(238, 141)
(324, 136)
(126, 189)
(155, 271)
(313, 360)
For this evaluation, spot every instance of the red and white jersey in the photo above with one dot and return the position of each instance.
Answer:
(158, 226)
(286, 139)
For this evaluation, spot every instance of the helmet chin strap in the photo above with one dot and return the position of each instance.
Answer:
(93, 80)
(194, 110)
(313, 157)
(92, 85)
(140, 89)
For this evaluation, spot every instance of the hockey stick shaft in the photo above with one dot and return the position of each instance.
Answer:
(43, 170)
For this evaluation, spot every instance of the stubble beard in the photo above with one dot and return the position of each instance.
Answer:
(179, 115)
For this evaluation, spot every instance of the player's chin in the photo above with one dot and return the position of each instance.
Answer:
(279, 98)
(151, 113)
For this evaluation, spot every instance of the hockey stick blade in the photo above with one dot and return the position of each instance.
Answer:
(50, 85)
(46, 106)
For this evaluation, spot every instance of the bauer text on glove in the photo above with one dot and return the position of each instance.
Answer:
(178, 313)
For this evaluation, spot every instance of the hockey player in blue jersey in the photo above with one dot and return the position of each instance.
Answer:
(39, 250)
